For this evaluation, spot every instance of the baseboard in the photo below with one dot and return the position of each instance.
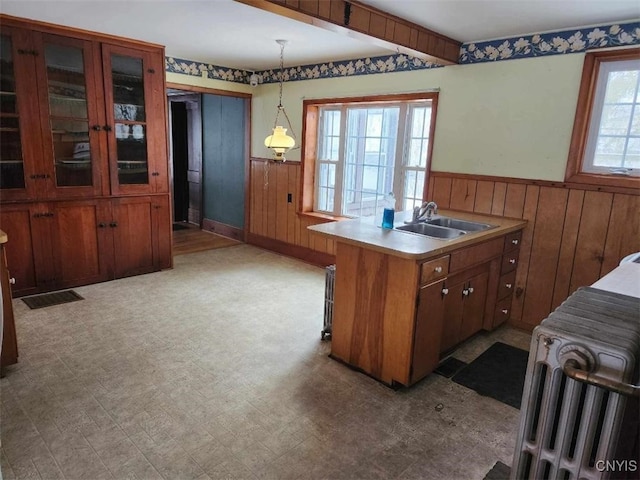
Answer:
(302, 253)
(223, 229)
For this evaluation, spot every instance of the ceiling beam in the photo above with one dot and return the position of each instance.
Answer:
(363, 22)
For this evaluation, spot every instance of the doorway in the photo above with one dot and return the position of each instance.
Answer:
(185, 125)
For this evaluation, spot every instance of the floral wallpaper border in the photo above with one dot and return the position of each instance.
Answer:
(525, 46)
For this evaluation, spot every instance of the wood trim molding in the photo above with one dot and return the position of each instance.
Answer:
(55, 29)
(223, 229)
(357, 20)
(305, 254)
(271, 160)
(212, 91)
(579, 136)
(542, 183)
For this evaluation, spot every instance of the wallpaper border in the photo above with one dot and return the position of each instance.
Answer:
(524, 46)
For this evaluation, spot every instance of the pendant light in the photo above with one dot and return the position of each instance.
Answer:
(279, 141)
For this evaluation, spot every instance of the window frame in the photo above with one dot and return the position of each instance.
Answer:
(581, 128)
(310, 123)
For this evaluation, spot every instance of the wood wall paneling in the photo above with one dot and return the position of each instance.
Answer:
(592, 235)
(574, 234)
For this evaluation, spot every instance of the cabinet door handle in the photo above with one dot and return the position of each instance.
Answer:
(438, 269)
(508, 285)
(505, 311)
(445, 291)
(12, 281)
(515, 241)
(107, 128)
(465, 292)
(113, 224)
(102, 225)
(470, 290)
(155, 174)
(97, 128)
(512, 261)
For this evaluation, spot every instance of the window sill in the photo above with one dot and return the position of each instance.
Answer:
(322, 217)
(615, 181)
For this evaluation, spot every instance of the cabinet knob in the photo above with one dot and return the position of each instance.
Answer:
(107, 128)
(12, 281)
(514, 241)
(438, 269)
(465, 292)
(155, 174)
(97, 128)
(445, 291)
(470, 289)
(512, 261)
(505, 311)
(113, 224)
(102, 225)
(508, 285)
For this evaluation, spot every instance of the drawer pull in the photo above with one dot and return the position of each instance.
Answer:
(470, 289)
(515, 241)
(505, 311)
(508, 285)
(438, 269)
(445, 291)
(465, 292)
(512, 261)
(12, 281)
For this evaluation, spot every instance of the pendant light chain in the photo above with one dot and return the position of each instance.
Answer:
(280, 106)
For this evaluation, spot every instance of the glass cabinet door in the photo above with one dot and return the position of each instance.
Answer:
(72, 124)
(135, 108)
(20, 169)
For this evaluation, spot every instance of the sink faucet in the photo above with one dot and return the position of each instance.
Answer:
(424, 212)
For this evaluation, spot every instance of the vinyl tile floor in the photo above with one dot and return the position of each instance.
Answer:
(215, 369)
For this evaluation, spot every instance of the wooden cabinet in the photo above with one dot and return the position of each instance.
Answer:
(9, 339)
(465, 297)
(83, 165)
(86, 118)
(71, 243)
(428, 330)
(393, 317)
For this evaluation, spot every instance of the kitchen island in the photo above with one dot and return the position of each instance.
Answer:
(402, 300)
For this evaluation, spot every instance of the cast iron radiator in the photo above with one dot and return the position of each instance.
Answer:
(580, 403)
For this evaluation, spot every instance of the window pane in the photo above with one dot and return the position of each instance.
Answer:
(615, 119)
(621, 86)
(632, 159)
(410, 184)
(609, 152)
(635, 124)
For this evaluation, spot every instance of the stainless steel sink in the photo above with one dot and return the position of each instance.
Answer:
(430, 230)
(459, 224)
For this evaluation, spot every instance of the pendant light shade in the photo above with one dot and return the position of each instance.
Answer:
(279, 141)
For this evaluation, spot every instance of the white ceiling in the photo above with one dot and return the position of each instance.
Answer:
(230, 34)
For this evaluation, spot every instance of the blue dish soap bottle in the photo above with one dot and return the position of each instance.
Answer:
(389, 211)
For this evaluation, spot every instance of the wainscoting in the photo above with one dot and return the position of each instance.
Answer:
(575, 235)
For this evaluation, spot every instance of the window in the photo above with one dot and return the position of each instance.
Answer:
(365, 150)
(605, 146)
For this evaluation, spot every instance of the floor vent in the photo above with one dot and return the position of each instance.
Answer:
(49, 299)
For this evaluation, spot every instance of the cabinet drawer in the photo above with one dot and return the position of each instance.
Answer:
(512, 241)
(507, 284)
(509, 261)
(476, 254)
(434, 269)
(503, 311)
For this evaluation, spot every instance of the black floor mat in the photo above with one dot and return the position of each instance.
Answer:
(500, 471)
(179, 226)
(449, 367)
(498, 373)
(49, 299)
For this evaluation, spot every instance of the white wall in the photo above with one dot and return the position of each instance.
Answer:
(510, 118)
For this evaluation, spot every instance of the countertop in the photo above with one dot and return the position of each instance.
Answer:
(624, 279)
(3, 237)
(366, 232)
